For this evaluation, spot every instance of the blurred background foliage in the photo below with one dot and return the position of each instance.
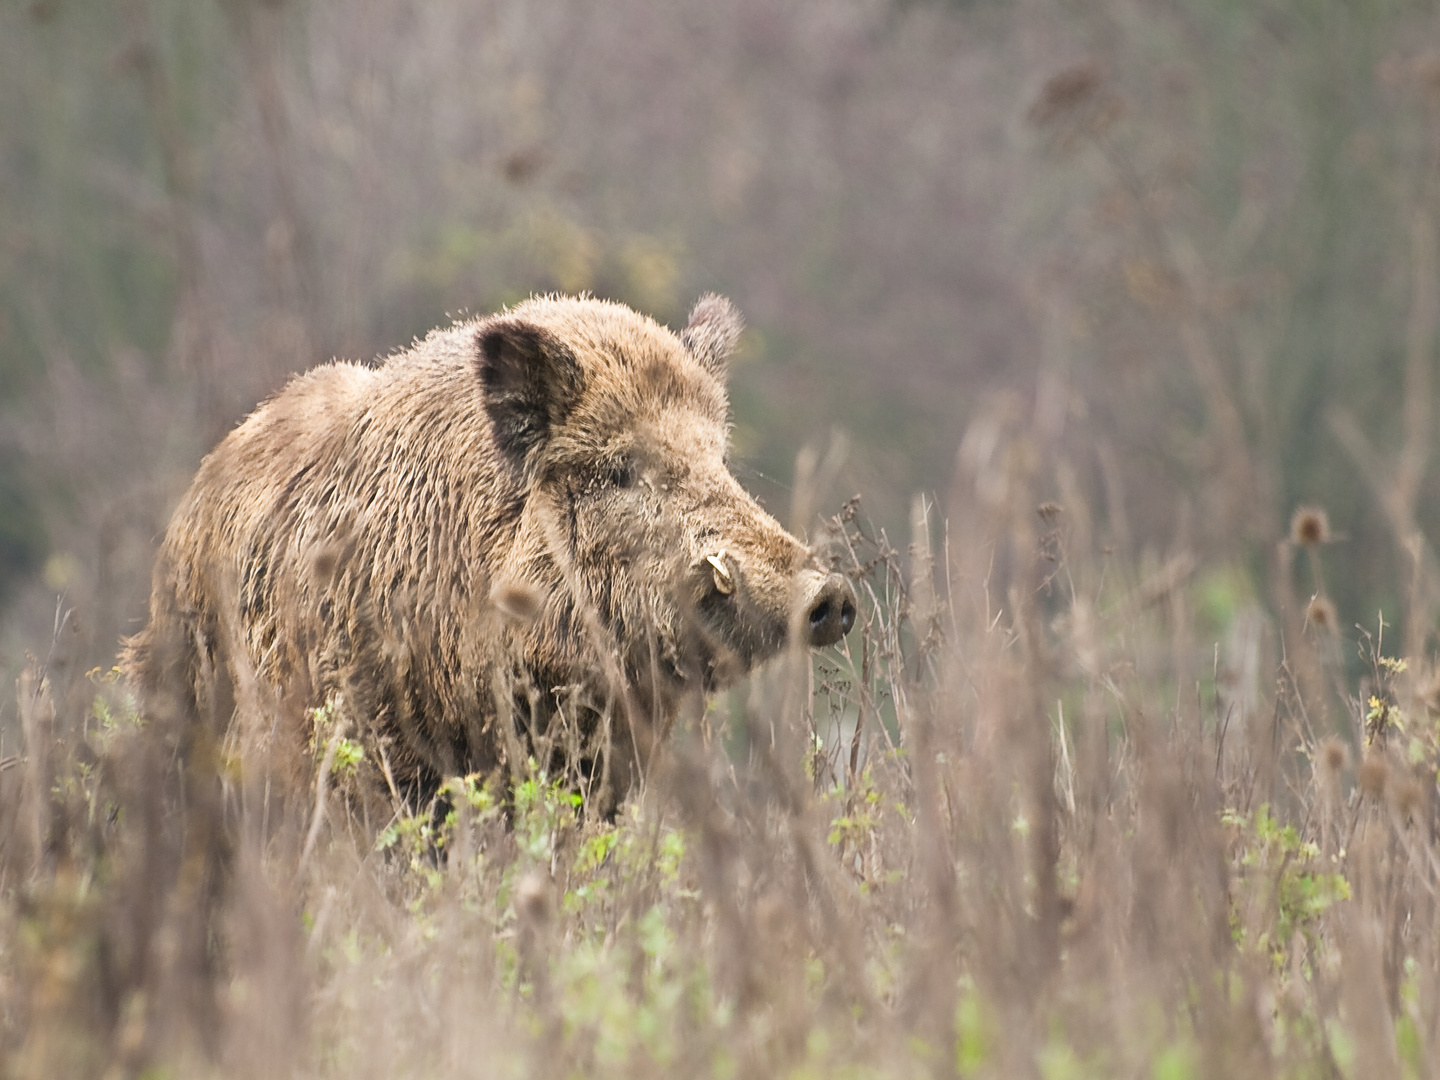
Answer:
(1193, 243)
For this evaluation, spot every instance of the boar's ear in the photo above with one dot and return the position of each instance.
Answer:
(714, 328)
(532, 381)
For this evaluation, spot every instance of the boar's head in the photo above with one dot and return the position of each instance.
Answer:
(616, 431)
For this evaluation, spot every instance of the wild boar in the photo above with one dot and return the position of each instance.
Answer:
(523, 528)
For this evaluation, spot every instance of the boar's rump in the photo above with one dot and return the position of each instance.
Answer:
(523, 526)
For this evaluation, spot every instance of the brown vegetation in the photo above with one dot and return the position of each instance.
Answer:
(1118, 776)
(1007, 828)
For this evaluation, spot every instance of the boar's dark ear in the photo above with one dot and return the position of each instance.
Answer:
(713, 330)
(532, 381)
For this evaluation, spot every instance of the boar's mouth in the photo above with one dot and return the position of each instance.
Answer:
(732, 636)
(734, 632)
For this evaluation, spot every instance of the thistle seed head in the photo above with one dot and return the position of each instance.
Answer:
(1309, 527)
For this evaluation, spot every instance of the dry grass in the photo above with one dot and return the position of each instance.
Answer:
(1031, 821)
(1065, 805)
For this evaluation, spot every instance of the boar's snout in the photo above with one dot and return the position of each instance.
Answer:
(829, 611)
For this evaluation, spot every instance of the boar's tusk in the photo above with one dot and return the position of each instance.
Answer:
(724, 583)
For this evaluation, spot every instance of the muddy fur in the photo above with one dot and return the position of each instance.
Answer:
(508, 533)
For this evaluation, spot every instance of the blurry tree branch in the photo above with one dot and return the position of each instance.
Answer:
(1181, 275)
(1398, 489)
(1398, 504)
(259, 26)
(194, 330)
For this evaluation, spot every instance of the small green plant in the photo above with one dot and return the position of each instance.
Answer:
(348, 755)
(546, 811)
(1295, 887)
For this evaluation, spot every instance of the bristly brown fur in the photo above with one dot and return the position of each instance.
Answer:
(369, 534)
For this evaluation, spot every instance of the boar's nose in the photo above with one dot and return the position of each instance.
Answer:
(832, 611)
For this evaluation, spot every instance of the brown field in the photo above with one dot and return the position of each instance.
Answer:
(1123, 319)
(1019, 824)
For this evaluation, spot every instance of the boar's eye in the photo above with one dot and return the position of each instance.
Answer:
(623, 473)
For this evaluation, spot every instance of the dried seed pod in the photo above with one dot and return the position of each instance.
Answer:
(1320, 614)
(1374, 774)
(1310, 526)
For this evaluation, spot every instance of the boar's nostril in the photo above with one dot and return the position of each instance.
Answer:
(832, 611)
